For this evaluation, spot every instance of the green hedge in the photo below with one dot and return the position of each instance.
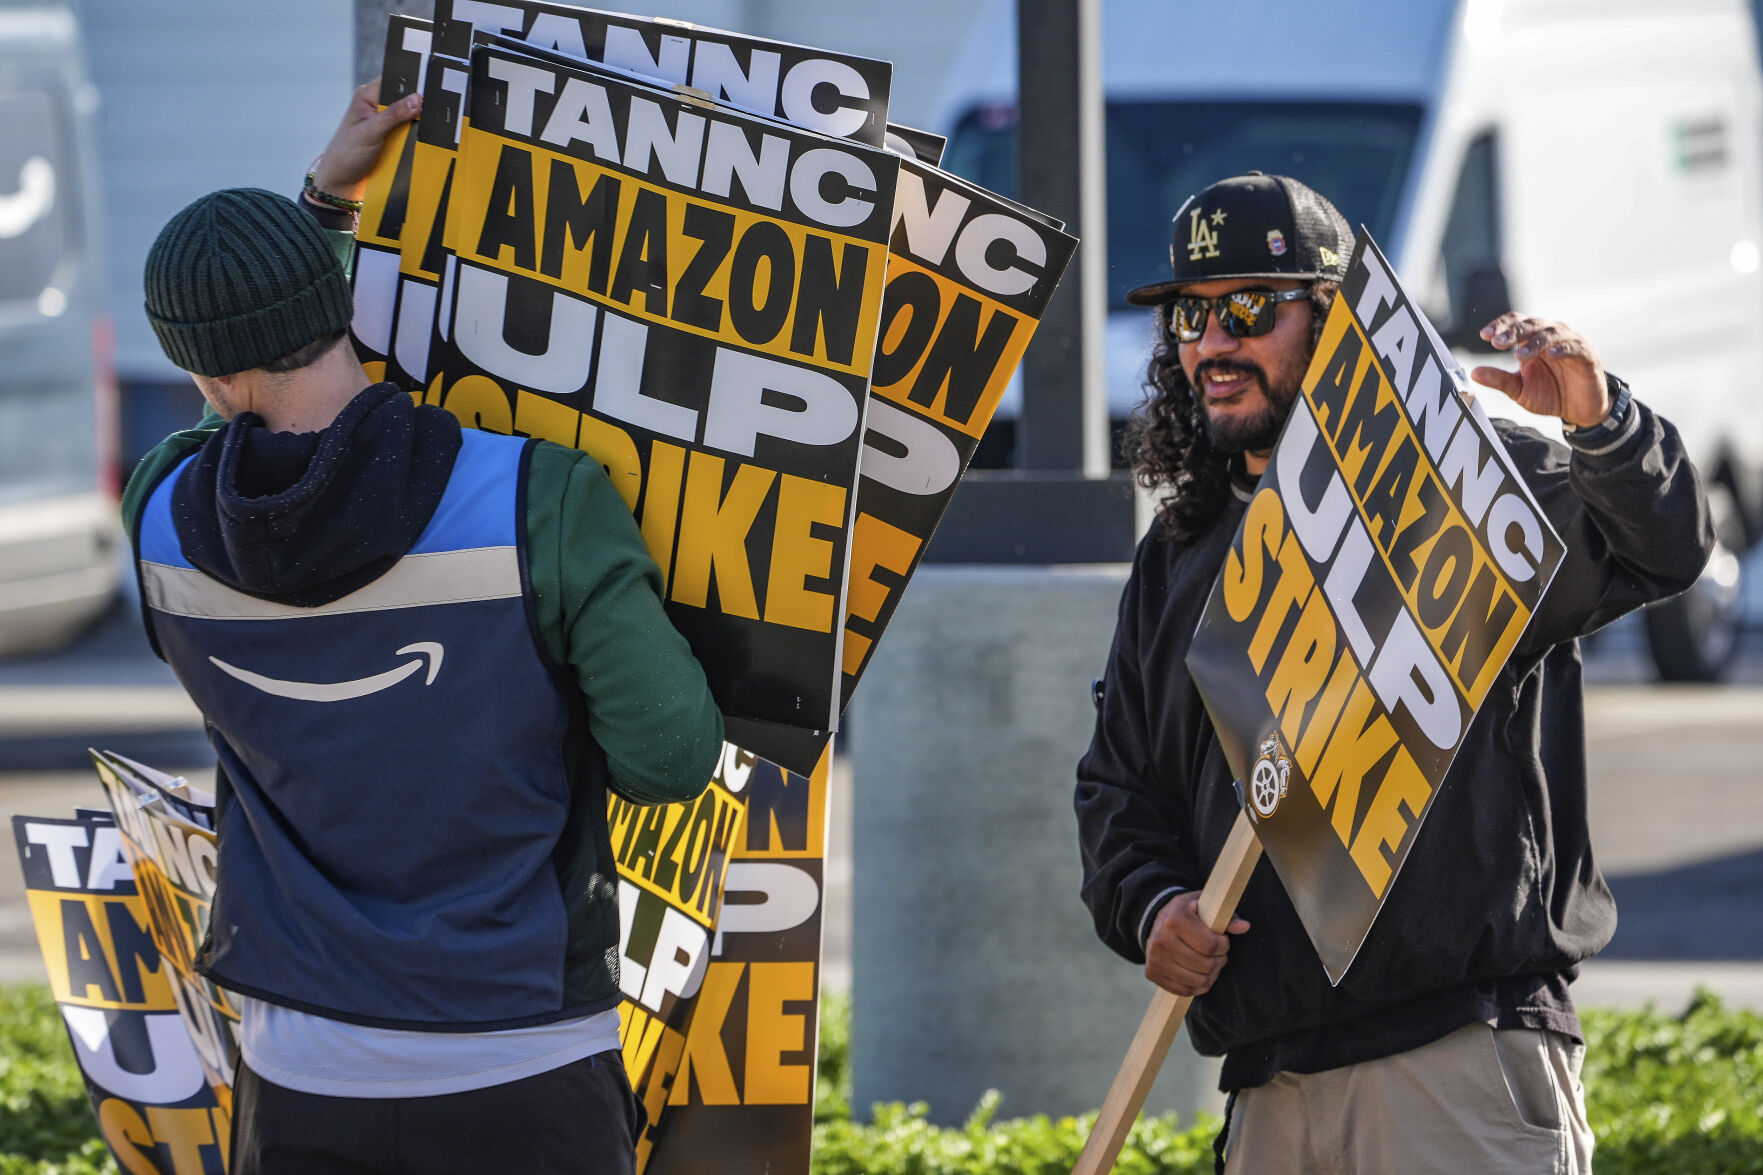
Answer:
(898, 1140)
(46, 1125)
(1680, 1094)
(1666, 1095)
(1676, 1093)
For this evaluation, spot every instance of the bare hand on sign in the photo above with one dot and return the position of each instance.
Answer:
(1558, 372)
(1183, 954)
(355, 145)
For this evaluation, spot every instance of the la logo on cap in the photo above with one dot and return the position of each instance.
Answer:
(1203, 233)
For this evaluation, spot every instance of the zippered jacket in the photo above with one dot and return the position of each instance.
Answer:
(1500, 897)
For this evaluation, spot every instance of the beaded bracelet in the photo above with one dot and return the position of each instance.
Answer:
(312, 193)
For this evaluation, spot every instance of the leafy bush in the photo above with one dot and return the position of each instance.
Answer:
(1665, 1093)
(900, 1141)
(832, 1082)
(46, 1125)
(1680, 1094)
(1675, 1093)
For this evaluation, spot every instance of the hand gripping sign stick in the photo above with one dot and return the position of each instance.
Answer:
(1218, 904)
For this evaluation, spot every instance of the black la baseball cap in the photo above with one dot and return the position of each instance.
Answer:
(1253, 225)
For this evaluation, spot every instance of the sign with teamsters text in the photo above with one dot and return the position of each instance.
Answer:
(1386, 566)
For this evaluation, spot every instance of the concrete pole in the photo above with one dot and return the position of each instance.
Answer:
(1060, 145)
(370, 30)
(974, 964)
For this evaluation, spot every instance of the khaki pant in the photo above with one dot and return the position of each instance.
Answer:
(1476, 1102)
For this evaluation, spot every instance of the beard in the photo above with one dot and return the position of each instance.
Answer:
(1254, 433)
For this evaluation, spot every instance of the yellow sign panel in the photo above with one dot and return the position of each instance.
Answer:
(666, 257)
(947, 351)
(99, 951)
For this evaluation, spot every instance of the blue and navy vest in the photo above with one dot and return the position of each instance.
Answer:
(395, 760)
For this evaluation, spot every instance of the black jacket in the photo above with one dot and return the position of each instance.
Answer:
(1499, 898)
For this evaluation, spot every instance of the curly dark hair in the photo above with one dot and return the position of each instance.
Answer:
(1169, 446)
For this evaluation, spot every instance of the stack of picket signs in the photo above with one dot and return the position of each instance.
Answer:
(708, 260)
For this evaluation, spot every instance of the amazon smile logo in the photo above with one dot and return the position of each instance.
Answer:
(343, 691)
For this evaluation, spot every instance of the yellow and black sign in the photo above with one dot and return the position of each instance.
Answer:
(170, 844)
(969, 276)
(1385, 569)
(692, 295)
(728, 1080)
(836, 94)
(122, 999)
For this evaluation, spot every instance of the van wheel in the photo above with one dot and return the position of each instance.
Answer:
(1694, 636)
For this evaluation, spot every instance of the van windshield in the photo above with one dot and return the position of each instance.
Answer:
(1160, 153)
(47, 446)
(32, 231)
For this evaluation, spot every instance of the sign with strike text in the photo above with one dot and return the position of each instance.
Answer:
(120, 903)
(691, 295)
(718, 1023)
(1386, 566)
(720, 1018)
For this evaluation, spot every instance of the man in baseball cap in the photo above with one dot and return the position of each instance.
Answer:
(1283, 229)
(1263, 254)
(1452, 1045)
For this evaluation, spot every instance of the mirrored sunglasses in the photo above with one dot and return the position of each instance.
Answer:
(1242, 315)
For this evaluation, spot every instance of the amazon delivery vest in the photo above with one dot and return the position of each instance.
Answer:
(395, 773)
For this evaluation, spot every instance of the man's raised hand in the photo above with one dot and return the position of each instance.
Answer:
(355, 146)
(1558, 372)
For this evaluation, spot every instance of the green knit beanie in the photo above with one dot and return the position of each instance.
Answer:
(241, 278)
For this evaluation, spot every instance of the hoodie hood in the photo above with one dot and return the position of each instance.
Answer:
(307, 518)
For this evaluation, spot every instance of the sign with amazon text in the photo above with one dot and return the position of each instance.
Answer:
(720, 1017)
(969, 276)
(116, 941)
(690, 294)
(398, 250)
(1386, 566)
(168, 834)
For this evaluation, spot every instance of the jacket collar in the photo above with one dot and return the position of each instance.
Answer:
(307, 518)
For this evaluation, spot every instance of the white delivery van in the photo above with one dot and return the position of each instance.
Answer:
(58, 527)
(1595, 161)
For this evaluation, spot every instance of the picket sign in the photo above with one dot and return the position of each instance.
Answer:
(1144, 1057)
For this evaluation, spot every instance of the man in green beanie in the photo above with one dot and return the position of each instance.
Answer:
(424, 654)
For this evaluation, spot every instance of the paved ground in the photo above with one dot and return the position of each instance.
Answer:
(1676, 809)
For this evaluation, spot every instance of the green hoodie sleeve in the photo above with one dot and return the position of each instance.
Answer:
(598, 597)
(343, 245)
(159, 460)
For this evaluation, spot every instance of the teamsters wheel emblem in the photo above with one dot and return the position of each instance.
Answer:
(1267, 782)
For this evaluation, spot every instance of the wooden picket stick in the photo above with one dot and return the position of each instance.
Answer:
(1218, 905)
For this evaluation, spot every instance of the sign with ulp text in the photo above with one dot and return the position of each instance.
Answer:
(1386, 567)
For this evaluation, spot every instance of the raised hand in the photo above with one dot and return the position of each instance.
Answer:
(355, 145)
(1558, 372)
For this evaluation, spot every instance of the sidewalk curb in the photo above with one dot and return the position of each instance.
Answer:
(50, 727)
(71, 752)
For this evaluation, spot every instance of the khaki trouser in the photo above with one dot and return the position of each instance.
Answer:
(1476, 1102)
